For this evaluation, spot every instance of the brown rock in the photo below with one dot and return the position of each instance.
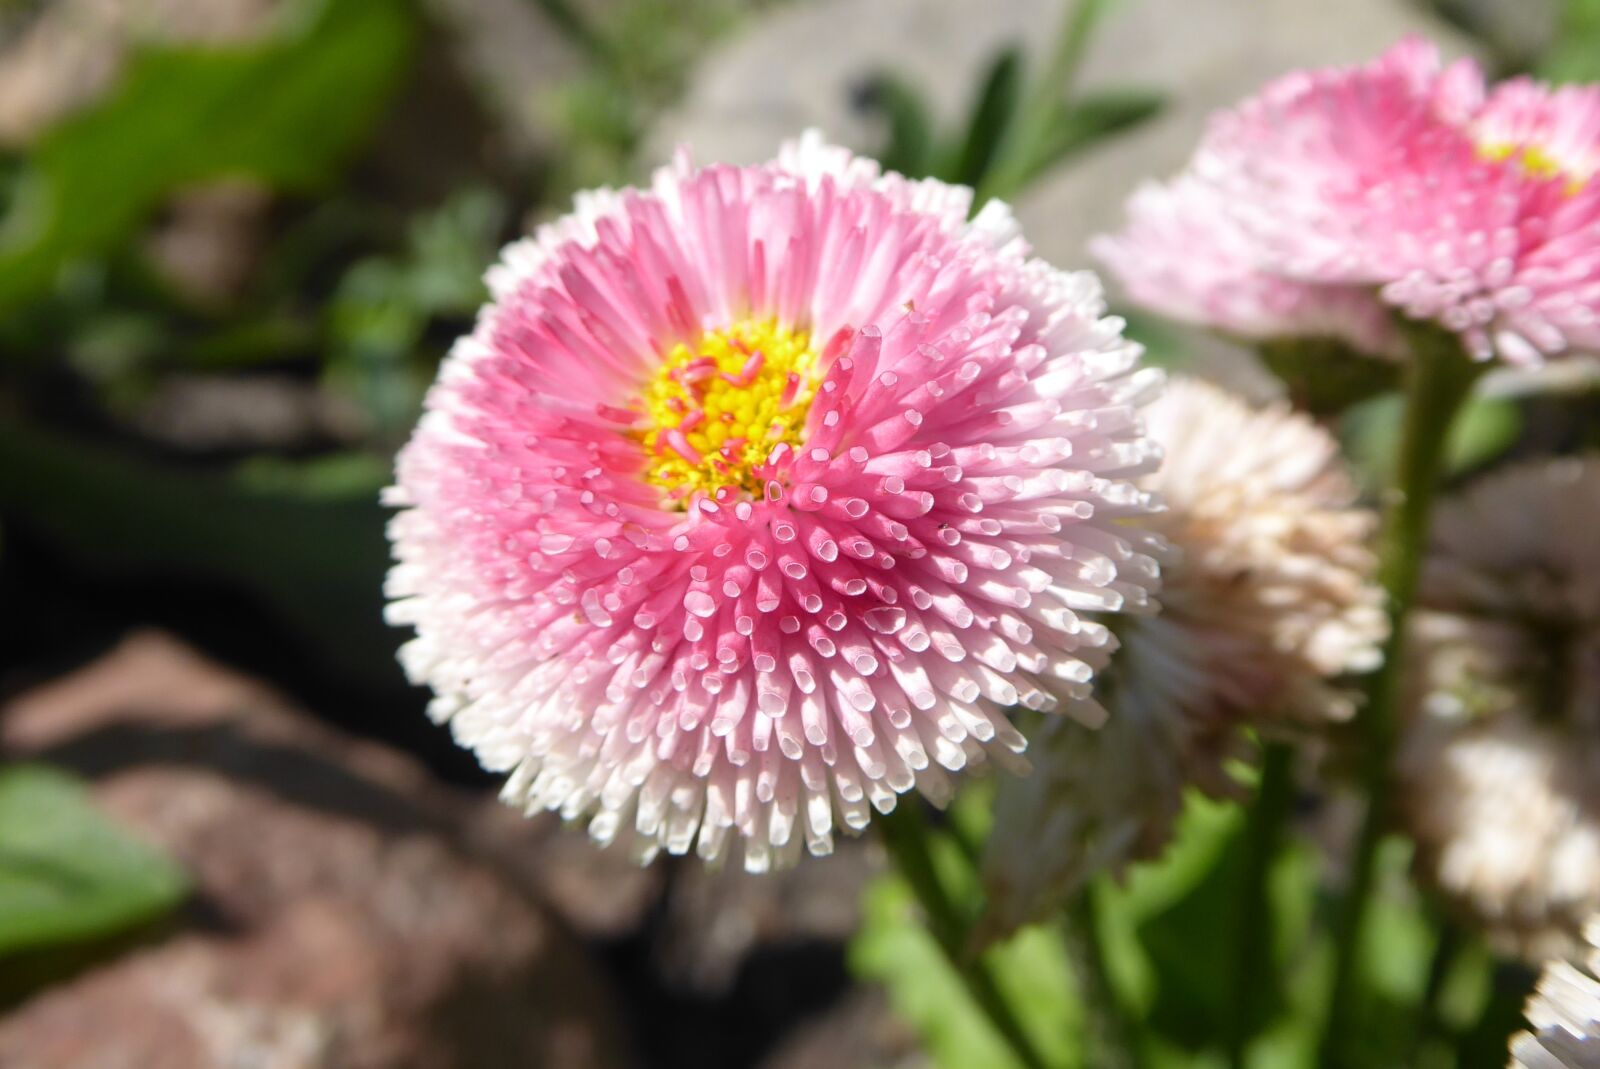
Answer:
(716, 919)
(338, 920)
(601, 894)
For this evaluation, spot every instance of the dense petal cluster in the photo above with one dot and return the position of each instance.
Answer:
(1453, 201)
(1183, 254)
(1267, 593)
(1497, 765)
(759, 495)
(1564, 1013)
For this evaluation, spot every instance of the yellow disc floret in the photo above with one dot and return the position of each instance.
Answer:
(714, 412)
(1535, 162)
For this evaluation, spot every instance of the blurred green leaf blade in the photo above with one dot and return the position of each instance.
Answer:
(910, 146)
(67, 873)
(1090, 118)
(1574, 54)
(286, 111)
(1486, 428)
(894, 948)
(994, 109)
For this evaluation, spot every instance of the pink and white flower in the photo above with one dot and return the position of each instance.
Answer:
(758, 495)
(1185, 256)
(1471, 206)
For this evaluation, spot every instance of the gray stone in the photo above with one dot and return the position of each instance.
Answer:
(339, 921)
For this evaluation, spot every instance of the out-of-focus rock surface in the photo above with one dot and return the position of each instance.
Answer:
(353, 912)
(715, 920)
(338, 920)
(859, 1033)
(806, 65)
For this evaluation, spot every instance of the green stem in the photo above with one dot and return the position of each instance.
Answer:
(1431, 1027)
(1253, 969)
(1439, 377)
(1021, 143)
(1108, 1041)
(909, 842)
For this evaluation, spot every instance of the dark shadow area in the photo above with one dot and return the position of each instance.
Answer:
(57, 619)
(777, 987)
(288, 772)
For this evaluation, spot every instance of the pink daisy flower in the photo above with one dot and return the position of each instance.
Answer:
(757, 496)
(1456, 203)
(1183, 255)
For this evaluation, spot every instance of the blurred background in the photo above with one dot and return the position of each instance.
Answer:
(236, 237)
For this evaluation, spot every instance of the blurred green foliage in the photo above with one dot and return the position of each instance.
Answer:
(894, 947)
(286, 111)
(1020, 123)
(69, 878)
(1574, 55)
(639, 54)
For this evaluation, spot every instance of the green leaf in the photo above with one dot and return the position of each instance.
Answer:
(305, 540)
(1171, 935)
(287, 111)
(1397, 953)
(1574, 55)
(1164, 343)
(993, 111)
(383, 307)
(67, 874)
(1090, 118)
(1484, 429)
(895, 949)
(910, 145)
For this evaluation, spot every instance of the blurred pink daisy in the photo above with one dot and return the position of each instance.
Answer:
(1455, 203)
(758, 495)
(1182, 254)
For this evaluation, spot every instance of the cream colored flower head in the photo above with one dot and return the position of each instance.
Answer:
(1267, 595)
(1499, 766)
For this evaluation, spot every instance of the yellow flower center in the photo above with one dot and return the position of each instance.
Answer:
(715, 412)
(1535, 161)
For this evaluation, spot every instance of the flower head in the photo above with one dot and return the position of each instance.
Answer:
(1497, 762)
(1565, 1013)
(757, 496)
(1453, 201)
(1267, 593)
(1182, 254)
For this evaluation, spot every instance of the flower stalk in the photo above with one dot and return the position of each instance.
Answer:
(1439, 379)
(908, 840)
(1023, 143)
(1263, 833)
(1108, 1041)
